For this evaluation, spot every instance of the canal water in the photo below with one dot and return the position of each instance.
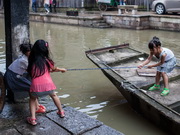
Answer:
(89, 91)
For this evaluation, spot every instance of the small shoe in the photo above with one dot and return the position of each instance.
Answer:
(42, 106)
(61, 114)
(41, 109)
(154, 87)
(31, 121)
(165, 92)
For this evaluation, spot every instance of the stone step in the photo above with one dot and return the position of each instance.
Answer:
(100, 21)
(101, 25)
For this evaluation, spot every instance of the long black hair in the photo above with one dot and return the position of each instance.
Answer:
(39, 59)
(155, 42)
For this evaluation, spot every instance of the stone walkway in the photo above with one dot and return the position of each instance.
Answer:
(13, 122)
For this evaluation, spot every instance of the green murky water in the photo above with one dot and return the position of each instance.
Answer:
(90, 91)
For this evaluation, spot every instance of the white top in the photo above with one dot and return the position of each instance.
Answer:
(168, 52)
(20, 65)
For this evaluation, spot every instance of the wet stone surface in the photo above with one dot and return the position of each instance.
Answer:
(9, 131)
(44, 127)
(75, 121)
(13, 121)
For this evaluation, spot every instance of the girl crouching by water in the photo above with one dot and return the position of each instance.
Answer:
(39, 68)
(166, 64)
(16, 77)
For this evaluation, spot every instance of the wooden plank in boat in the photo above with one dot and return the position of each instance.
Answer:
(146, 72)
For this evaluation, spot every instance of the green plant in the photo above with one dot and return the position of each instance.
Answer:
(72, 9)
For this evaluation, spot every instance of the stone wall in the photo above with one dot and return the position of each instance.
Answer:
(165, 23)
(67, 20)
(140, 22)
(125, 21)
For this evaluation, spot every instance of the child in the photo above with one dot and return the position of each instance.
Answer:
(46, 6)
(54, 5)
(166, 64)
(16, 78)
(39, 68)
(122, 2)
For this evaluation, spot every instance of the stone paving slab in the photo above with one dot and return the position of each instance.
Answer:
(4, 124)
(13, 122)
(10, 131)
(44, 127)
(76, 122)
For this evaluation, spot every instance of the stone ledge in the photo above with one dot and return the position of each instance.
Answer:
(13, 121)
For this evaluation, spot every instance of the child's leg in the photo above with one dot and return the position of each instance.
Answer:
(165, 80)
(166, 84)
(158, 77)
(32, 105)
(156, 86)
(39, 108)
(37, 104)
(56, 101)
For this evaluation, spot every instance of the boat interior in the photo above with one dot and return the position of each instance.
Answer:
(124, 61)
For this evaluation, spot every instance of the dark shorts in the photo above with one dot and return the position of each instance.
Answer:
(16, 82)
(42, 94)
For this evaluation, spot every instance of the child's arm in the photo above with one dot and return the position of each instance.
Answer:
(146, 61)
(57, 69)
(159, 63)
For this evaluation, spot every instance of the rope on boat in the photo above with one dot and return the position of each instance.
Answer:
(100, 68)
(77, 69)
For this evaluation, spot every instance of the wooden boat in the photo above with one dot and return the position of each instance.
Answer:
(119, 64)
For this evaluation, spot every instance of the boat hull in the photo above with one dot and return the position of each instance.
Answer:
(135, 90)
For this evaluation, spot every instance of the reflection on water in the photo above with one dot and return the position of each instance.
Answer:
(64, 96)
(90, 91)
(93, 108)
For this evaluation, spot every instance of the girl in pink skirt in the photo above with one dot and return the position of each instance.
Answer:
(39, 68)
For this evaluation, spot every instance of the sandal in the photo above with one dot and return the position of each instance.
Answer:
(165, 92)
(31, 121)
(40, 110)
(42, 106)
(154, 87)
(61, 114)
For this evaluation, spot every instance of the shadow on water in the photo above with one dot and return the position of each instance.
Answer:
(90, 91)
